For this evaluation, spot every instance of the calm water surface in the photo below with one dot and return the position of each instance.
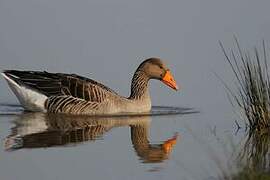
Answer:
(48, 146)
(106, 41)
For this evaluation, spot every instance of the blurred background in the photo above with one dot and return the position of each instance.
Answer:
(106, 41)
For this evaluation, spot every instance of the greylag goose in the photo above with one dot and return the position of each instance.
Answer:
(36, 130)
(73, 94)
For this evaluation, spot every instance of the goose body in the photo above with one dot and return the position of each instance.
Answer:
(74, 94)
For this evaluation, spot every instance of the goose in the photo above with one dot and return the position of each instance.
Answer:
(41, 91)
(39, 130)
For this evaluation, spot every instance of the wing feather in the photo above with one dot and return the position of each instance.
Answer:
(59, 84)
(71, 105)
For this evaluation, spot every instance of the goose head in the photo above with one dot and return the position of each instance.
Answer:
(154, 68)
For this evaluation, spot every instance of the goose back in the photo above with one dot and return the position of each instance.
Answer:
(60, 84)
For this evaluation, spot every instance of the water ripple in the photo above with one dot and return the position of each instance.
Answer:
(15, 109)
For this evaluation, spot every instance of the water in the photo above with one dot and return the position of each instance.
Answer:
(103, 141)
(37, 145)
(106, 41)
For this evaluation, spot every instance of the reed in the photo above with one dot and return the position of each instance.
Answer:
(253, 85)
(252, 161)
(247, 174)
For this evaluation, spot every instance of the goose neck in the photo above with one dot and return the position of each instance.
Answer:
(139, 86)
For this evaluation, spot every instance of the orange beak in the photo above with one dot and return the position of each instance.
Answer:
(169, 80)
(168, 145)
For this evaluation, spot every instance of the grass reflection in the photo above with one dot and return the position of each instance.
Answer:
(253, 98)
(253, 160)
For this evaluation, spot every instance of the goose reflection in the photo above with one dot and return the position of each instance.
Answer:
(36, 130)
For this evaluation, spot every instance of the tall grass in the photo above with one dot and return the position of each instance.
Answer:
(253, 85)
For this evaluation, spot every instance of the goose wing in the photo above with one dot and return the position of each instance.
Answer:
(60, 84)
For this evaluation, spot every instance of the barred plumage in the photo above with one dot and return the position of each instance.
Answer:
(71, 105)
(34, 130)
(70, 93)
(139, 86)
